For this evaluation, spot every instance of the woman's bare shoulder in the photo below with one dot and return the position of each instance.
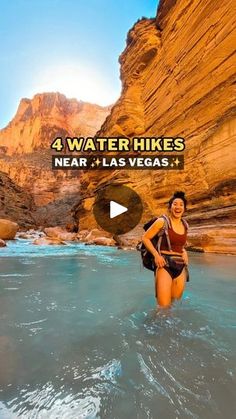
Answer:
(159, 222)
(155, 227)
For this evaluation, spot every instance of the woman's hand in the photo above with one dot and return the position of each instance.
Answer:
(185, 257)
(159, 261)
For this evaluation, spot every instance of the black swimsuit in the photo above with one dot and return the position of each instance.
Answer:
(174, 265)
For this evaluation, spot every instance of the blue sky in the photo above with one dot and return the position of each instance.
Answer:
(70, 46)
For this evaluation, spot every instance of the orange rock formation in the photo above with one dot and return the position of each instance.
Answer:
(15, 203)
(178, 75)
(48, 115)
(25, 153)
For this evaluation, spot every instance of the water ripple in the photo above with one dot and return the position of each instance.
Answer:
(47, 402)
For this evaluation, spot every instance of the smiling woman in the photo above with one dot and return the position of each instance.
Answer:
(76, 81)
(170, 257)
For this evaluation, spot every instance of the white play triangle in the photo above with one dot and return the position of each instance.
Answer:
(116, 209)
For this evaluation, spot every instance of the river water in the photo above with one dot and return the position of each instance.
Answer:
(80, 336)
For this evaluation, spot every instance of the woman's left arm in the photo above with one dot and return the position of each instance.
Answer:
(185, 256)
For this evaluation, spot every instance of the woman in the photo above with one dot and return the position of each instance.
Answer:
(171, 273)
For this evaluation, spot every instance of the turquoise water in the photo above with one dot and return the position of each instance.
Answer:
(80, 337)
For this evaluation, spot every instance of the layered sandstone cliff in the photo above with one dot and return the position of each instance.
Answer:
(25, 153)
(16, 204)
(178, 77)
(40, 120)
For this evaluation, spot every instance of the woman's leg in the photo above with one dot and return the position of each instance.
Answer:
(178, 285)
(163, 287)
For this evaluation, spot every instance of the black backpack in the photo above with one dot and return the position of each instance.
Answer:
(147, 257)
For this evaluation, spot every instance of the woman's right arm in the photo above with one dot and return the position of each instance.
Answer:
(146, 239)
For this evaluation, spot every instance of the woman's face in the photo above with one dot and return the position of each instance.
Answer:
(177, 208)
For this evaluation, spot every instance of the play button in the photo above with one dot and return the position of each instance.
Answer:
(117, 208)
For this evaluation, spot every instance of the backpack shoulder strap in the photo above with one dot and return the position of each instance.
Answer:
(185, 223)
(167, 220)
(164, 230)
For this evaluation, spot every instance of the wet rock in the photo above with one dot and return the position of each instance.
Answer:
(48, 241)
(213, 239)
(8, 229)
(195, 249)
(60, 233)
(102, 241)
(82, 234)
(23, 236)
(96, 233)
(130, 239)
